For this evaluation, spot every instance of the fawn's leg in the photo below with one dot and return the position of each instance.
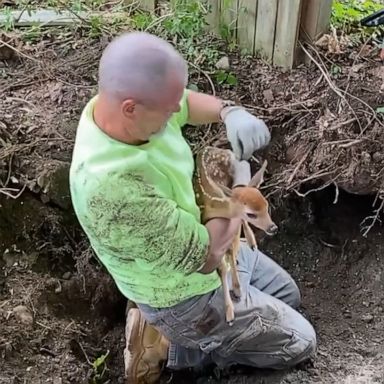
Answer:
(249, 235)
(235, 248)
(229, 310)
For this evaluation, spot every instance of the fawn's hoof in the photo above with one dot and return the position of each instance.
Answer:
(235, 294)
(230, 316)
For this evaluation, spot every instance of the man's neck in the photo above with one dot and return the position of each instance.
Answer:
(107, 122)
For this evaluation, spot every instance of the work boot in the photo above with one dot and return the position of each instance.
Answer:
(145, 352)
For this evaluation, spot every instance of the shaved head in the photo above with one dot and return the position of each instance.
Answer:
(140, 66)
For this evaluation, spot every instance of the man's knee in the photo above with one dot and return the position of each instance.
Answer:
(301, 347)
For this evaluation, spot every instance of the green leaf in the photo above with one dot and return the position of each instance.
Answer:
(231, 79)
(380, 110)
(221, 76)
(100, 361)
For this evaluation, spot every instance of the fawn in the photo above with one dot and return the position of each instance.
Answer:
(215, 198)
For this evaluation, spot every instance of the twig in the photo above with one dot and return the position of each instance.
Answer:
(43, 325)
(329, 245)
(68, 8)
(206, 75)
(19, 52)
(7, 192)
(85, 353)
(335, 200)
(299, 164)
(350, 144)
(312, 190)
(9, 171)
(373, 218)
(158, 21)
(315, 176)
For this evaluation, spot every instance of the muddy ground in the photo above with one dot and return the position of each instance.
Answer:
(60, 311)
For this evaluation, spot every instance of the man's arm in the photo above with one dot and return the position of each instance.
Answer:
(245, 132)
(221, 234)
(203, 108)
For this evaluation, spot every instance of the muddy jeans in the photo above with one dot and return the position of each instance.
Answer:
(267, 331)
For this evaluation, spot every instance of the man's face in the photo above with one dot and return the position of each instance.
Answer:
(151, 119)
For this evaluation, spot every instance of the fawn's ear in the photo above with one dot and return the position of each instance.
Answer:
(258, 178)
(227, 191)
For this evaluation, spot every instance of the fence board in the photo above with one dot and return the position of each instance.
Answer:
(228, 12)
(246, 24)
(288, 17)
(213, 17)
(265, 29)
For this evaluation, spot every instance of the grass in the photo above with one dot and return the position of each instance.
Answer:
(182, 22)
(347, 14)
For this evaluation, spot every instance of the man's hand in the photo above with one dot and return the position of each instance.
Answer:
(245, 132)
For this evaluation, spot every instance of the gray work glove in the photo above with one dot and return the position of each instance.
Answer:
(241, 173)
(246, 133)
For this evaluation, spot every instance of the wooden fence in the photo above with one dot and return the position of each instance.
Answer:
(267, 28)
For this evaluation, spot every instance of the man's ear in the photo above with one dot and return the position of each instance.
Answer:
(128, 107)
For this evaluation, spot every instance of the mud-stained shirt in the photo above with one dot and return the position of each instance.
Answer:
(137, 206)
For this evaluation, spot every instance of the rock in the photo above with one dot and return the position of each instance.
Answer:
(367, 318)
(67, 275)
(223, 63)
(268, 96)
(22, 313)
(54, 183)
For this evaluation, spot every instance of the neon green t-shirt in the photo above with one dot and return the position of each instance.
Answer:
(137, 206)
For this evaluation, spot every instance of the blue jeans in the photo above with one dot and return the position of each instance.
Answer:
(267, 331)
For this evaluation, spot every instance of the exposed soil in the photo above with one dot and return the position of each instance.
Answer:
(60, 311)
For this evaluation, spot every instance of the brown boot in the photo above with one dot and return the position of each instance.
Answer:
(146, 350)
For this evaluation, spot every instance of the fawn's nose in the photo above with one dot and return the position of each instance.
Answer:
(272, 230)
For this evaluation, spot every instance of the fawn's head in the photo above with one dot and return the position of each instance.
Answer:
(256, 205)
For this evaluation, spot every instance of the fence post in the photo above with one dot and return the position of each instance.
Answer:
(287, 29)
(266, 28)
(246, 24)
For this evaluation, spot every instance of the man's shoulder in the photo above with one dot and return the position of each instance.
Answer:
(181, 117)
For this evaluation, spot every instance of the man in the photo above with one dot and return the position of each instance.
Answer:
(131, 186)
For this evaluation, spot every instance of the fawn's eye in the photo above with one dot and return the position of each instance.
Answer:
(252, 215)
